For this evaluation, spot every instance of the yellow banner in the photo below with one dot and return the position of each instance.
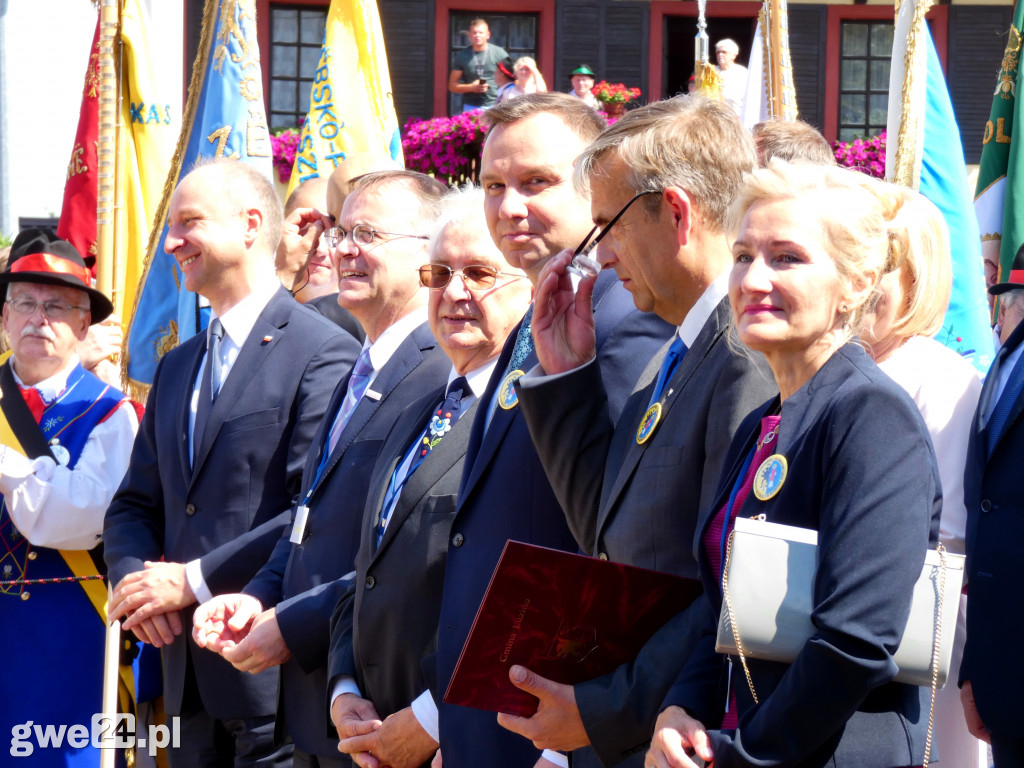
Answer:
(351, 109)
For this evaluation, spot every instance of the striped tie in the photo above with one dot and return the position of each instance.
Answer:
(357, 384)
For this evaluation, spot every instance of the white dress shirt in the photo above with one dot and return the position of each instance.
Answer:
(53, 506)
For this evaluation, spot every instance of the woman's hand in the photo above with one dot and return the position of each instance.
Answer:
(677, 737)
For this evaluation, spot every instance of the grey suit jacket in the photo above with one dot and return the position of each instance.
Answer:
(247, 469)
(638, 503)
(387, 623)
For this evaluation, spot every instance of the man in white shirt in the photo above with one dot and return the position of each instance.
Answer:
(229, 421)
(734, 76)
(66, 437)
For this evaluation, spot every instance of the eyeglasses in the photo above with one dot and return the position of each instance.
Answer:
(582, 264)
(475, 276)
(361, 234)
(52, 310)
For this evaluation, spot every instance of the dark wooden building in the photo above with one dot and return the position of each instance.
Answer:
(840, 51)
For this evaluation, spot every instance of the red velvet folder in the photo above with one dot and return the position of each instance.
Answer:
(567, 617)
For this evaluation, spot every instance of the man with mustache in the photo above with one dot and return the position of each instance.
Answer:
(66, 437)
(220, 453)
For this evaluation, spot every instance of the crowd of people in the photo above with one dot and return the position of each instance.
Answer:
(399, 378)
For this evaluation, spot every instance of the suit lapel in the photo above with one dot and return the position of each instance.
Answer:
(266, 333)
(440, 460)
(405, 360)
(713, 329)
(186, 389)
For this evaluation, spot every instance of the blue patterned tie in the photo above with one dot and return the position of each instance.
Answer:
(441, 422)
(676, 352)
(1001, 412)
(357, 384)
(524, 344)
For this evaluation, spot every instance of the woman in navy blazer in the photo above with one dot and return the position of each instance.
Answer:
(842, 450)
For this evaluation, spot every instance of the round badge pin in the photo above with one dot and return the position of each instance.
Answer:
(508, 398)
(648, 424)
(60, 453)
(770, 476)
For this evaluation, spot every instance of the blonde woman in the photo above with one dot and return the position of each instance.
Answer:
(528, 79)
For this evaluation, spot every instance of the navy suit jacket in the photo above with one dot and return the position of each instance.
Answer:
(505, 494)
(995, 531)
(247, 469)
(388, 621)
(862, 473)
(638, 503)
(306, 580)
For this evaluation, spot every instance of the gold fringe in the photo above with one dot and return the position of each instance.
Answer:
(138, 390)
(709, 81)
(906, 148)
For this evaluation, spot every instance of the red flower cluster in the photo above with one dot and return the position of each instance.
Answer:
(284, 143)
(444, 147)
(615, 93)
(865, 155)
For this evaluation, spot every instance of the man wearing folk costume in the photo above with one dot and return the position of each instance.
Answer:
(66, 438)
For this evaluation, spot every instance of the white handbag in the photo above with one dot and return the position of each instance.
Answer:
(767, 587)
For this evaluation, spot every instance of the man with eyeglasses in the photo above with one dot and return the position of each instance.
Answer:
(66, 437)
(388, 620)
(632, 489)
(282, 616)
(230, 419)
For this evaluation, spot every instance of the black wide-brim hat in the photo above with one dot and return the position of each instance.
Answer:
(1015, 278)
(39, 256)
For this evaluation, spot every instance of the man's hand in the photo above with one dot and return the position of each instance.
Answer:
(159, 630)
(224, 621)
(299, 239)
(556, 724)
(974, 724)
(353, 716)
(100, 349)
(262, 648)
(399, 742)
(563, 321)
(158, 589)
(677, 736)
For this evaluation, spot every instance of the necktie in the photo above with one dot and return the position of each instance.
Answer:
(440, 423)
(34, 401)
(1001, 412)
(210, 385)
(357, 384)
(524, 344)
(675, 354)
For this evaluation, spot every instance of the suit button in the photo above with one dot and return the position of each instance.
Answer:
(370, 581)
(458, 539)
(603, 555)
(190, 509)
(986, 505)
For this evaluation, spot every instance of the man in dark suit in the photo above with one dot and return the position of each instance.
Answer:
(228, 424)
(632, 490)
(990, 678)
(283, 616)
(387, 622)
(533, 211)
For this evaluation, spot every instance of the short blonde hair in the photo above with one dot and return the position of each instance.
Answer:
(535, 75)
(856, 230)
(919, 244)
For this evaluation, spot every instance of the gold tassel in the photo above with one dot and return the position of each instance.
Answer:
(709, 81)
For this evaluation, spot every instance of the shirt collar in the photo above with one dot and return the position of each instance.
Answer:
(388, 342)
(477, 378)
(50, 388)
(701, 311)
(240, 319)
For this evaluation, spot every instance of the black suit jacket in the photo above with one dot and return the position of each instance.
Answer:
(329, 307)
(862, 473)
(248, 467)
(638, 503)
(388, 621)
(995, 531)
(306, 580)
(505, 494)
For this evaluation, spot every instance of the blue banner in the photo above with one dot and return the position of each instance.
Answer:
(224, 117)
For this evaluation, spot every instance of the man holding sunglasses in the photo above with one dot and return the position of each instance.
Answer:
(388, 621)
(282, 616)
(635, 493)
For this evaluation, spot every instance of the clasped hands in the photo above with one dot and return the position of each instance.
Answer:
(237, 628)
(399, 741)
(150, 601)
